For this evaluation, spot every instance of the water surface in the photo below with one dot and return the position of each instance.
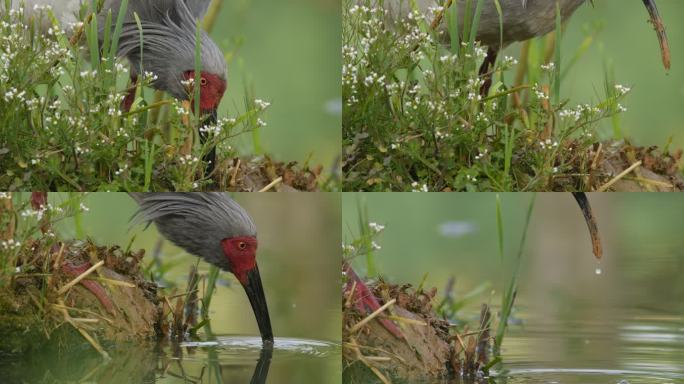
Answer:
(225, 359)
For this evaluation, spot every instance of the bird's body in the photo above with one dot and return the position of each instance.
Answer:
(518, 20)
(521, 20)
(215, 228)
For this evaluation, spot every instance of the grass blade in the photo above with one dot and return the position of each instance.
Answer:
(508, 298)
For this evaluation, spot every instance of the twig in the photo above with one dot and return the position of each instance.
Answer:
(119, 283)
(365, 361)
(370, 317)
(58, 259)
(653, 182)
(80, 277)
(93, 342)
(273, 184)
(353, 344)
(234, 176)
(619, 177)
(61, 306)
(350, 295)
(407, 320)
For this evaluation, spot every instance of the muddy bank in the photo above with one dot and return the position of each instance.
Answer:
(621, 167)
(42, 304)
(262, 173)
(428, 349)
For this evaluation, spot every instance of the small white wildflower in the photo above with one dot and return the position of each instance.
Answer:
(376, 227)
(262, 104)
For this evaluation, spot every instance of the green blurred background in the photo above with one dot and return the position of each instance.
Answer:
(287, 53)
(627, 45)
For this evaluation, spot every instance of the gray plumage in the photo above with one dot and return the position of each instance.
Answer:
(168, 28)
(522, 19)
(196, 222)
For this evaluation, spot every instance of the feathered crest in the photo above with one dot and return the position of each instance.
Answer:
(168, 29)
(212, 209)
(196, 222)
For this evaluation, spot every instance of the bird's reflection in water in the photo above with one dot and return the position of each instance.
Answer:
(213, 369)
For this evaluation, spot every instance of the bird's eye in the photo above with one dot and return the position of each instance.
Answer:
(203, 81)
(242, 245)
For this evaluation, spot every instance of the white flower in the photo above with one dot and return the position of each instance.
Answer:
(376, 227)
(622, 89)
(262, 104)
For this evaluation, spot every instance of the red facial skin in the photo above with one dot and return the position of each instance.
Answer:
(241, 253)
(211, 92)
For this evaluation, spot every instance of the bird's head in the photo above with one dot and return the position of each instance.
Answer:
(168, 49)
(212, 87)
(240, 253)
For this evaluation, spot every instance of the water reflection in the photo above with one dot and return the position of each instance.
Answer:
(626, 346)
(221, 360)
(213, 370)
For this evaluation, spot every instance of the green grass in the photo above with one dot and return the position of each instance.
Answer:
(414, 119)
(62, 127)
(20, 224)
(511, 291)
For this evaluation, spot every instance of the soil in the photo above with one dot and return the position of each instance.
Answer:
(429, 350)
(255, 174)
(659, 171)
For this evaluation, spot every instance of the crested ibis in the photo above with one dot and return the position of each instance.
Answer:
(211, 226)
(519, 20)
(167, 49)
(217, 229)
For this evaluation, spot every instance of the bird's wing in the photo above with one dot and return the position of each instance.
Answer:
(198, 7)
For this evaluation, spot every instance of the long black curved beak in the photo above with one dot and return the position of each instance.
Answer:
(657, 22)
(255, 293)
(583, 202)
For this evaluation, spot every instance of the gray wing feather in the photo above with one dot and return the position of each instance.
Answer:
(196, 222)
